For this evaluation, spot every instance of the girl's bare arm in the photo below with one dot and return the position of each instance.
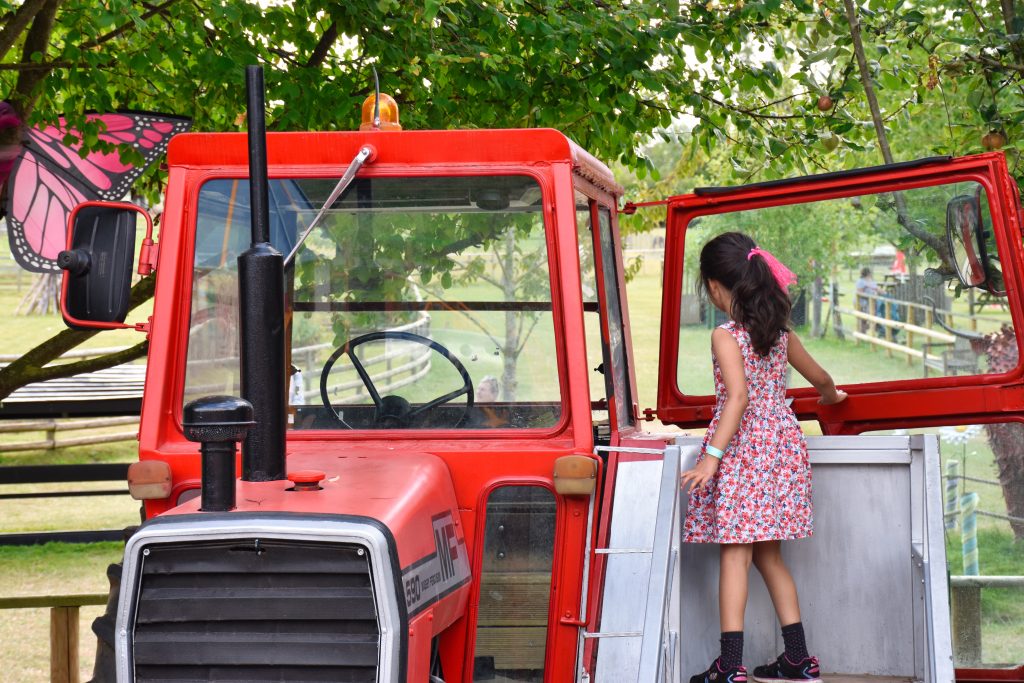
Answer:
(730, 361)
(803, 363)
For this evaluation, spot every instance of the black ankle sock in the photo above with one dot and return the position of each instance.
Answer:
(796, 648)
(732, 649)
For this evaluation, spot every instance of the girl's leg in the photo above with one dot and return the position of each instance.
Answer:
(732, 584)
(796, 664)
(767, 557)
(734, 569)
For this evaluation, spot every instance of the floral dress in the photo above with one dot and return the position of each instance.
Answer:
(762, 490)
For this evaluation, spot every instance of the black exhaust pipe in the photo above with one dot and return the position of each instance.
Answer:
(261, 302)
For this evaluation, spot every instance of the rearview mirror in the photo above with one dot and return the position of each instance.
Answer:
(966, 240)
(98, 264)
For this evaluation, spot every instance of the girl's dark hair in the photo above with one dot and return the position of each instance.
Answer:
(758, 303)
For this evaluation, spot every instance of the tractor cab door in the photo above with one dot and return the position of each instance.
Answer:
(909, 293)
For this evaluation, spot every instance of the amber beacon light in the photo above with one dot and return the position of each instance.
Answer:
(387, 116)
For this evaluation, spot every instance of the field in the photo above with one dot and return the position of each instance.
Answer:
(58, 569)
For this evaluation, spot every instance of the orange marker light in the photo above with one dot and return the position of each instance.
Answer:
(149, 480)
(388, 114)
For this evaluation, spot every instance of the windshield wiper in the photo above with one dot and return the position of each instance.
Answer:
(366, 152)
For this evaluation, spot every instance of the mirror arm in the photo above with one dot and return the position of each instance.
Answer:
(150, 250)
(148, 254)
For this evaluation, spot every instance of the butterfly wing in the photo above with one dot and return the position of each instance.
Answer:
(39, 203)
(103, 173)
(50, 178)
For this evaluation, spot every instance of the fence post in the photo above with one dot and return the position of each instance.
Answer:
(887, 314)
(952, 499)
(64, 644)
(969, 533)
(965, 605)
(51, 435)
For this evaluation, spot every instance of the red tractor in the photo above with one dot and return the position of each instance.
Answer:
(442, 474)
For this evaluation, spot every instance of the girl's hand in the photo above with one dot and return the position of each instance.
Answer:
(838, 397)
(700, 475)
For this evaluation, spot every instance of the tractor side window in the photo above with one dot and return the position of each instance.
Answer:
(878, 297)
(515, 585)
(222, 233)
(606, 353)
(597, 352)
(616, 332)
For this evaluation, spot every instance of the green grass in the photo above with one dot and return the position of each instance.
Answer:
(52, 569)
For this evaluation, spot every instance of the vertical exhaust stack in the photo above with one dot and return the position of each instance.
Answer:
(261, 301)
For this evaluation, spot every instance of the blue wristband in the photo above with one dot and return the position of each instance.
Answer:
(714, 452)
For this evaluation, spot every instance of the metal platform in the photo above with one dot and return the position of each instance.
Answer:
(872, 579)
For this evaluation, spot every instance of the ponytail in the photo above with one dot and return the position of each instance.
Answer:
(760, 302)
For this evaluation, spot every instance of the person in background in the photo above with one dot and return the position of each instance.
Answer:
(487, 390)
(487, 393)
(866, 287)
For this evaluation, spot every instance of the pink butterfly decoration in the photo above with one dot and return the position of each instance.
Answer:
(49, 179)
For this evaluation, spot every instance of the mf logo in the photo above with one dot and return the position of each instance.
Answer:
(447, 546)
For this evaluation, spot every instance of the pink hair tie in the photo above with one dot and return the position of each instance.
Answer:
(783, 275)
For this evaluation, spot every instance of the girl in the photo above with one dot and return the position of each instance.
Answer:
(752, 482)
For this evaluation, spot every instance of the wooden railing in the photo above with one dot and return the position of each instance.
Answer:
(51, 428)
(920, 338)
(891, 326)
(63, 628)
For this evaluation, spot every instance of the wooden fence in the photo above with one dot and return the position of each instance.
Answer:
(935, 349)
(52, 428)
(63, 628)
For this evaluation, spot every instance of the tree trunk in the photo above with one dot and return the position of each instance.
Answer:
(1007, 439)
(16, 24)
(43, 297)
(816, 292)
(1007, 442)
(509, 381)
(37, 40)
(902, 216)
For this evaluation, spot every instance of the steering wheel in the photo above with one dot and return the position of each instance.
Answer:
(395, 411)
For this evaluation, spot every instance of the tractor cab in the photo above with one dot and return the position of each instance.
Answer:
(443, 474)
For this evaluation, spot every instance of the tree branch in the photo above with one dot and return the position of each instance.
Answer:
(323, 48)
(16, 25)
(42, 66)
(90, 364)
(158, 9)
(37, 40)
(883, 141)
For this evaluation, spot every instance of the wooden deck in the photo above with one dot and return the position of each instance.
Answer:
(114, 391)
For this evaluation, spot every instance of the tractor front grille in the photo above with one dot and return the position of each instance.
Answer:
(251, 609)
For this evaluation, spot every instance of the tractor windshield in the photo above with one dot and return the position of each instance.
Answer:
(419, 303)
